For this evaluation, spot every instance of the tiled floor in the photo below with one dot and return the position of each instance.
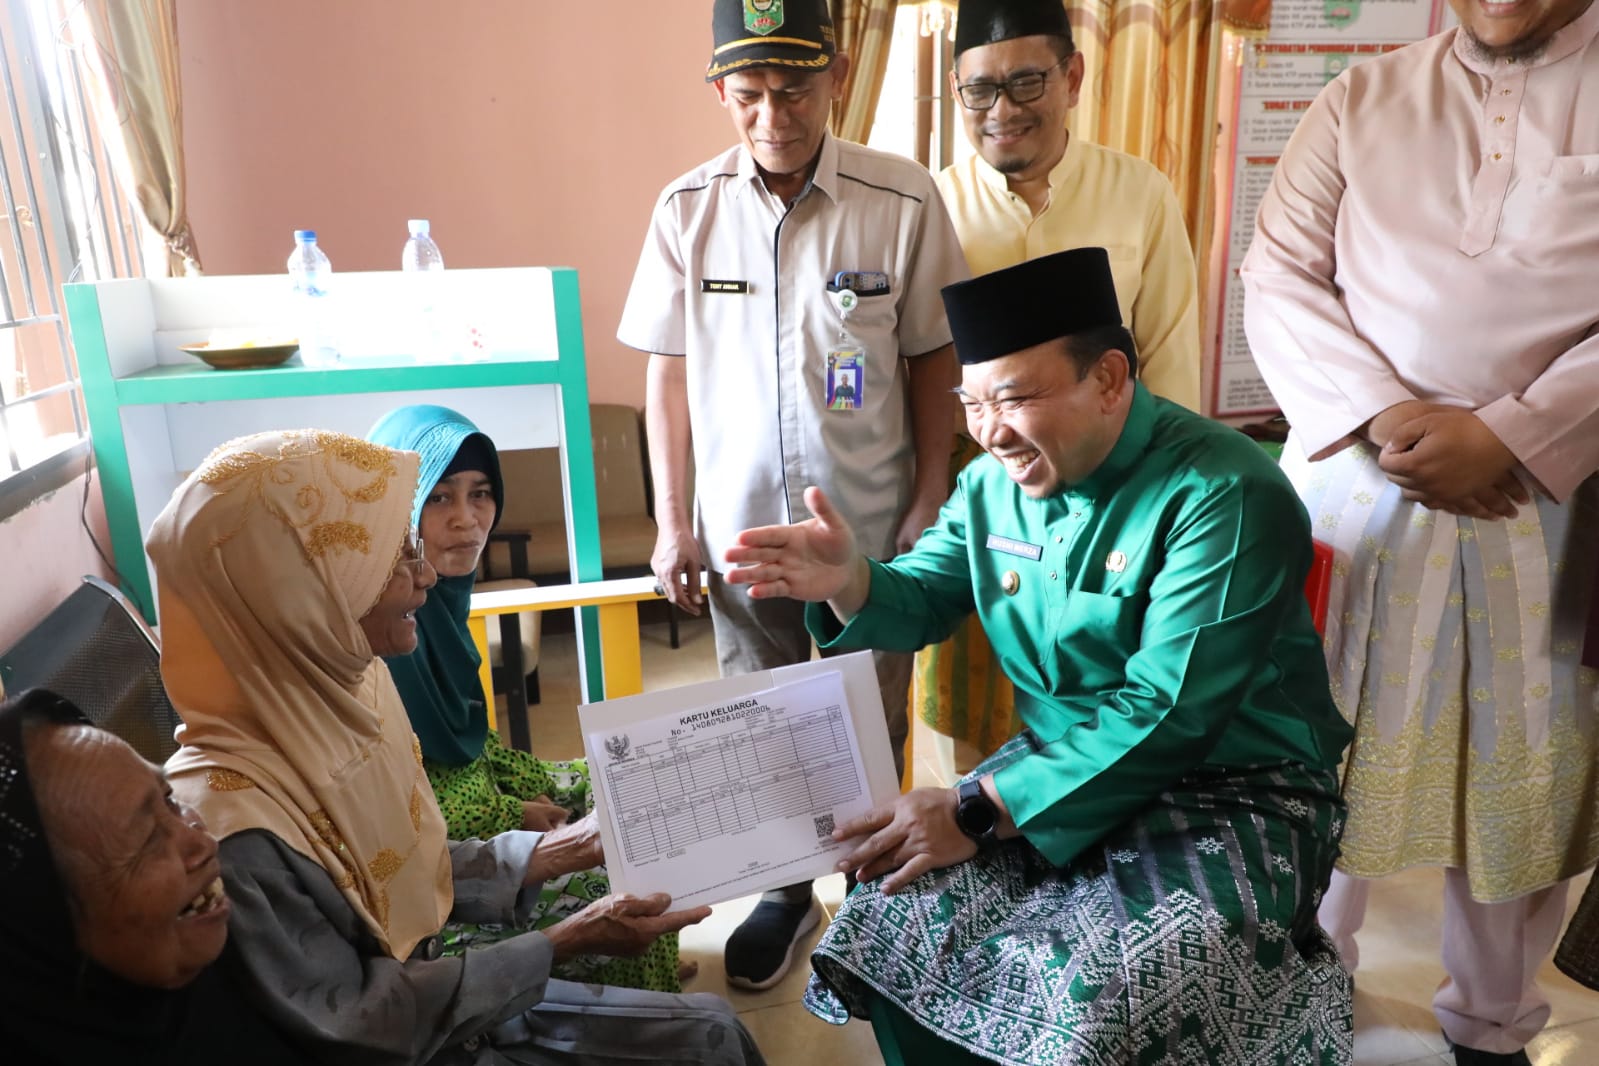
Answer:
(1399, 946)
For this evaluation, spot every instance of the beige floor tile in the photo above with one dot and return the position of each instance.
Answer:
(1382, 1037)
(1570, 1003)
(830, 890)
(1400, 962)
(1568, 1045)
(788, 1036)
(552, 722)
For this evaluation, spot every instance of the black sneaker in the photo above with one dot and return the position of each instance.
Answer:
(1470, 1056)
(761, 950)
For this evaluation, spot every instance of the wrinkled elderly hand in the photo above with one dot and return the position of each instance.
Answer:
(566, 849)
(620, 925)
(540, 815)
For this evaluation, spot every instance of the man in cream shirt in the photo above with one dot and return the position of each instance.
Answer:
(1033, 188)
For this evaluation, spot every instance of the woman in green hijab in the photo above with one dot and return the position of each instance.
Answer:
(483, 787)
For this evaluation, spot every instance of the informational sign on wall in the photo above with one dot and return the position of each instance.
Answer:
(1310, 43)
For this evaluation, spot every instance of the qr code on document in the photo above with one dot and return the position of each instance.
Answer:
(824, 826)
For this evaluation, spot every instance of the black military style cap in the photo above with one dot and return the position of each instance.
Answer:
(797, 34)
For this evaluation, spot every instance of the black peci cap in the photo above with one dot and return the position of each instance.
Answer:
(797, 34)
(1031, 303)
(979, 22)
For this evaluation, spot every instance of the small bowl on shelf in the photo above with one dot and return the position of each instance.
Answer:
(244, 356)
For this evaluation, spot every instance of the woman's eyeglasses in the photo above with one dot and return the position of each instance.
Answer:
(411, 551)
(1022, 89)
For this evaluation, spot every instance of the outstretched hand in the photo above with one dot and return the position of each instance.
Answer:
(813, 560)
(620, 925)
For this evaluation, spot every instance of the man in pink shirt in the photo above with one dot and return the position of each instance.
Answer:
(1423, 300)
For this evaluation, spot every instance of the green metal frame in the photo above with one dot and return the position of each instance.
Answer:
(105, 395)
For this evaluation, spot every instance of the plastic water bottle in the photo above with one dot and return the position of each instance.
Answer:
(312, 275)
(421, 259)
(420, 252)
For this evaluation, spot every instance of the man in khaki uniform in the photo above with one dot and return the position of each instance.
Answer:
(788, 295)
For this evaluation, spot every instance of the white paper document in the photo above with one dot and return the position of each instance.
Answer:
(713, 791)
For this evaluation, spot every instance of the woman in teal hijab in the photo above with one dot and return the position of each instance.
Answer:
(483, 787)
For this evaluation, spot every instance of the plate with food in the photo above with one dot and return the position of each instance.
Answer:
(231, 350)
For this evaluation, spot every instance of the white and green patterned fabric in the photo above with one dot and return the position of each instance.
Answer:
(1187, 936)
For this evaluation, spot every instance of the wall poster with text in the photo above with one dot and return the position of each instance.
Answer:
(1310, 43)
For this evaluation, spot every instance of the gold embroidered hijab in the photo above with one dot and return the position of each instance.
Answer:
(266, 558)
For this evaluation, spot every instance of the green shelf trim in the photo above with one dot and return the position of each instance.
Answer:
(582, 514)
(202, 384)
(110, 451)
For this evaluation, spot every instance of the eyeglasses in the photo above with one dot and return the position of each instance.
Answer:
(1022, 89)
(411, 551)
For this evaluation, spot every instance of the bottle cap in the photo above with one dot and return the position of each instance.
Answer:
(418, 227)
(305, 234)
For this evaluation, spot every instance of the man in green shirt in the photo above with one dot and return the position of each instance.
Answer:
(1133, 878)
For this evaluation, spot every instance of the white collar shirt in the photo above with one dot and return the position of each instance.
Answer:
(736, 282)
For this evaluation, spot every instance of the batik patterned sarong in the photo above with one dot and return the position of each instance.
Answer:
(1454, 646)
(1187, 936)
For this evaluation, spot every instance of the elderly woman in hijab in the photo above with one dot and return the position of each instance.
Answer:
(111, 910)
(482, 786)
(285, 568)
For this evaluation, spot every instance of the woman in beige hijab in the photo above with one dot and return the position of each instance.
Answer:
(285, 568)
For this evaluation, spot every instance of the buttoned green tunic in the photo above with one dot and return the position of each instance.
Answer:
(1154, 623)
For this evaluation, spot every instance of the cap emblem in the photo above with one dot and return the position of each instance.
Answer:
(763, 16)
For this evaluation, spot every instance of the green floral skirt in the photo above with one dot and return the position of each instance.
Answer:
(485, 798)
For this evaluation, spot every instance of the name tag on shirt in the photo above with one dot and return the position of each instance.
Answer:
(1018, 548)
(716, 285)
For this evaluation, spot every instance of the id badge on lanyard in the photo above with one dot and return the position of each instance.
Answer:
(846, 361)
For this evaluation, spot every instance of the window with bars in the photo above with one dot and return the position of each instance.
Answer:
(65, 219)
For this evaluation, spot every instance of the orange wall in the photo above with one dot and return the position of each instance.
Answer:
(529, 132)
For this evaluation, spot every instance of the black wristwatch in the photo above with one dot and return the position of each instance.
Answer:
(975, 813)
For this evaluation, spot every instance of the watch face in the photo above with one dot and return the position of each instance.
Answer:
(975, 815)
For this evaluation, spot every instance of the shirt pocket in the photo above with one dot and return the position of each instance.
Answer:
(1552, 220)
(875, 313)
(1098, 631)
(1578, 169)
(873, 323)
